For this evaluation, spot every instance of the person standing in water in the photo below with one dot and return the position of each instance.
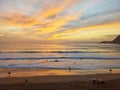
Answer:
(69, 69)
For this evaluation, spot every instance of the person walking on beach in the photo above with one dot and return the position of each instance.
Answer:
(110, 71)
(94, 80)
(26, 80)
(9, 73)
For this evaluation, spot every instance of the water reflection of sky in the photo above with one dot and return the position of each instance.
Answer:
(91, 56)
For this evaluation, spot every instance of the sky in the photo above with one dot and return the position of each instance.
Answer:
(59, 20)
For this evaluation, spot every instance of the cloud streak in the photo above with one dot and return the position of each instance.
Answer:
(59, 19)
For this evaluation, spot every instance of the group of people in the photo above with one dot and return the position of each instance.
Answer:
(97, 81)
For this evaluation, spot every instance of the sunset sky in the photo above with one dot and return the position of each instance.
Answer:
(61, 20)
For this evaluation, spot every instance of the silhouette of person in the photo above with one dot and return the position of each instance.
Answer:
(26, 80)
(110, 70)
(9, 73)
(94, 80)
(69, 69)
(101, 81)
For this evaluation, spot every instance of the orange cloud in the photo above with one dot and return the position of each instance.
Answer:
(97, 28)
(49, 22)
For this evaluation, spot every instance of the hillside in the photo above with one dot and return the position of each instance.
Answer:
(115, 41)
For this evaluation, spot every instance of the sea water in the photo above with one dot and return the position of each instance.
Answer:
(83, 56)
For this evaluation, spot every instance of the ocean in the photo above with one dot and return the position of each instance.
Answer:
(82, 56)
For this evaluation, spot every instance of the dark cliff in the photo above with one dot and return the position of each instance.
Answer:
(115, 41)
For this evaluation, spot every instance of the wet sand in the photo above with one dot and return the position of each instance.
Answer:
(31, 72)
(59, 82)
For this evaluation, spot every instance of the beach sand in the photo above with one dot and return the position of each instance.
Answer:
(59, 82)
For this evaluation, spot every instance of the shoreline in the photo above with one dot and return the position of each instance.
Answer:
(31, 72)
